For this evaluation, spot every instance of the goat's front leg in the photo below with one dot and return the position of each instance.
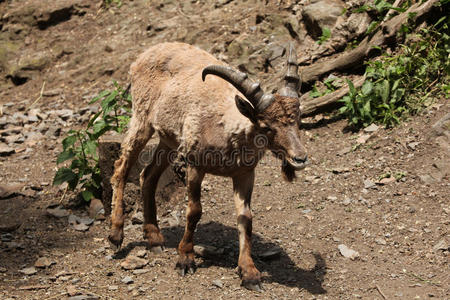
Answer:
(243, 187)
(186, 261)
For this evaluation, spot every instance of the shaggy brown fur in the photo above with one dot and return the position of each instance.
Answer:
(200, 120)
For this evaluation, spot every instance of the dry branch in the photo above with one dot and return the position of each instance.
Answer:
(310, 106)
(385, 33)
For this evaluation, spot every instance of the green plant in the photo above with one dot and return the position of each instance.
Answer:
(402, 83)
(326, 34)
(330, 85)
(80, 146)
(109, 3)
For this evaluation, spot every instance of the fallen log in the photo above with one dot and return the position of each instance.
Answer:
(310, 106)
(386, 32)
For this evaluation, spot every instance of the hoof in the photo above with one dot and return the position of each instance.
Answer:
(115, 240)
(252, 285)
(186, 267)
(156, 249)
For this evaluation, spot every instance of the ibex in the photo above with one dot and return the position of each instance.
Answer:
(220, 124)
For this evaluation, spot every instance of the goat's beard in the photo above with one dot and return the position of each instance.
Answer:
(288, 171)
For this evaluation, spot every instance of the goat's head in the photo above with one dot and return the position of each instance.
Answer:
(276, 117)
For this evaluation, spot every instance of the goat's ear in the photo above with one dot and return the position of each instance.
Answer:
(245, 108)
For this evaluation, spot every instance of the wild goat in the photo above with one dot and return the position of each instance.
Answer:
(200, 117)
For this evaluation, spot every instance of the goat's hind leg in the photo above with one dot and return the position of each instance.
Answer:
(137, 136)
(149, 181)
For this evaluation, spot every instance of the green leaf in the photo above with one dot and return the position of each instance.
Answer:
(367, 87)
(91, 148)
(65, 155)
(372, 26)
(351, 87)
(99, 96)
(69, 141)
(64, 175)
(385, 88)
(87, 195)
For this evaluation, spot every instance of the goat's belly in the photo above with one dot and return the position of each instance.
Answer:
(217, 162)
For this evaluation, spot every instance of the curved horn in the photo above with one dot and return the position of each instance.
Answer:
(292, 80)
(251, 90)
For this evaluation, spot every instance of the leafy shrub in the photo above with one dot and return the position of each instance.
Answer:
(400, 84)
(80, 146)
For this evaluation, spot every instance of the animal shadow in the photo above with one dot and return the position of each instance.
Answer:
(278, 266)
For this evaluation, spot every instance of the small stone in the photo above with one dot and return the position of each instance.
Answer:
(43, 262)
(133, 262)
(10, 189)
(368, 184)
(58, 212)
(207, 251)
(137, 218)
(218, 283)
(141, 271)
(270, 254)
(363, 138)
(413, 145)
(84, 297)
(28, 271)
(332, 198)
(347, 252)
(371, 128)
(127, 280)
(380, 241)
(347, 201)
(113, 287)
(141, 253)
(387, 180)
(441, 245)
(72, 290)
(6, 150)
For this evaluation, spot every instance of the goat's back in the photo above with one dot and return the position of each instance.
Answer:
(170, 95)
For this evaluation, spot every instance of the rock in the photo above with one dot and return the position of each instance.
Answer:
(27, 66)
(380, 241)
(137, 218)
(371, 128)
(347, 201)
(96, 209)
(321, 14)
(43, 262)
(441, 245)
(6, 150)
(58, 212)
(368, 184)
(52, 93)
(28, 271)
(141, 271)
(347, 252)
(270, 254)
(6, 237)
(387, 180)
(363, 138)
(218, 283)
(141, 253)
(80, 224)
(207, 251)
(113, 287)
(413, 145)
(72, 290)
(8, 190)
(127, 280)
(133, 262)
(53, 130)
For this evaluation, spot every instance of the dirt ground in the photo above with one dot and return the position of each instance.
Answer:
(383, 192)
